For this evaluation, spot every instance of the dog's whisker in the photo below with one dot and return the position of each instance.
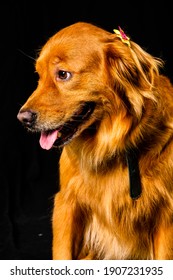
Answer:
(25, 54)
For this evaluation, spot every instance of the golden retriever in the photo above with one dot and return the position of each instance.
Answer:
(102, 99)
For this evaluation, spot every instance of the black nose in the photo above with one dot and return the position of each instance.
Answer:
(27, 117)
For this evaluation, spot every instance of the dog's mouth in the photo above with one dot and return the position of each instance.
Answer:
(63, 134)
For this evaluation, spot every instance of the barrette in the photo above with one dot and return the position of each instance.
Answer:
(121, 34)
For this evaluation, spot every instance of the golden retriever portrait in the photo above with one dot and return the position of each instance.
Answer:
(101, 99)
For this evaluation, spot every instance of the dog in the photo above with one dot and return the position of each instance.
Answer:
(102, 100)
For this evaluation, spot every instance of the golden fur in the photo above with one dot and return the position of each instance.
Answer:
(94, 216)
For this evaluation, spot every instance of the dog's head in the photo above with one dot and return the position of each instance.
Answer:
(89, 80)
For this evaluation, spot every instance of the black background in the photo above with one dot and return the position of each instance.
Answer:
(29, 175)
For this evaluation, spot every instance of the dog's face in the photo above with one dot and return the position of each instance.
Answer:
(86, 75)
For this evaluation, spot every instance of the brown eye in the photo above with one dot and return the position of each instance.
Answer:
(63, 75)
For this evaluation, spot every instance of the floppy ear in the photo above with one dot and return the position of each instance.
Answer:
(133, 72)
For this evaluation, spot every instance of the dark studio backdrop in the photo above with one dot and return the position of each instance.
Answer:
(29, 175)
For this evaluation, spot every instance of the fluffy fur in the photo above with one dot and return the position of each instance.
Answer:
(130, 107)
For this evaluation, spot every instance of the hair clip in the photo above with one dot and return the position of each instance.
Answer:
(120, 33)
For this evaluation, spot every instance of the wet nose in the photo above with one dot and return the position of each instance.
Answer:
(27, 117)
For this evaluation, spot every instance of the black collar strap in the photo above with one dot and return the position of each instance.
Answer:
(134, 174)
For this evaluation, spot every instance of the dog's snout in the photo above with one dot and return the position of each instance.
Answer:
(27, 117)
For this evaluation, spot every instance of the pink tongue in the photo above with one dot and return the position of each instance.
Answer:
(47, 140)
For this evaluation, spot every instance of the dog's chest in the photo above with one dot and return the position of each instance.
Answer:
(116, 221)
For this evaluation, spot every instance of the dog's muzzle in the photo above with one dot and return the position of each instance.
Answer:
(61, 134)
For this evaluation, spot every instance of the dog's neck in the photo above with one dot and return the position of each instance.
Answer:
(129, 159)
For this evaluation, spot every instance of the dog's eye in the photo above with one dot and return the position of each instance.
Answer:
(63, 75)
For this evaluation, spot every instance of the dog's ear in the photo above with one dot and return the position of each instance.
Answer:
(132, 71)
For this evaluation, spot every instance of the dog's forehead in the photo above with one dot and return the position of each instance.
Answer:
(75, 40)
(76, 46)
(81, 31)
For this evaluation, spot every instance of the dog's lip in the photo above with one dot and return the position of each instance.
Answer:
(66, 132)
